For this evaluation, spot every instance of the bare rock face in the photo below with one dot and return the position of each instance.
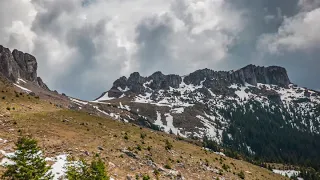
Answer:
(19, 65)
(28, 65)
(250, 74)
(42, 84)
(121, 82)
(32, 67)
(267, 75)
(160, 81)
(135, 83)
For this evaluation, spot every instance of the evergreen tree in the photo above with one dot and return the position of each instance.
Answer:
(79, 170)
(98, 171)
(82, 170)
(28, 162)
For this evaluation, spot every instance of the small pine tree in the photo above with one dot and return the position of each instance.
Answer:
(28, 162)
(84, 171)
(98, 171)
(78, 170)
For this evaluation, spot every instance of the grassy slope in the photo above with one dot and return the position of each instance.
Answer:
(60, 130)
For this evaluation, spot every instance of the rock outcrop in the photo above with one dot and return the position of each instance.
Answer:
(27, 65)
(19, 65)
(266, 75)
(8, 66)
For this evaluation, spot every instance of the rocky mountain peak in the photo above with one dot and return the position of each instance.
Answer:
(198, 76)
(266, 75)
(157, 74)
(19, 65)
(121, 82)
(217, 81)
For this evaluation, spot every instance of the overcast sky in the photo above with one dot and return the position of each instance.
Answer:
(82, 46)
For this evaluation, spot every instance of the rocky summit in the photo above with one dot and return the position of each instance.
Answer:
(18, 65)
(217, 81)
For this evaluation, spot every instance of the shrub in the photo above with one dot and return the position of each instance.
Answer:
(126, 137)
(8, 108)
(206, 162)
(146, 177)
(168, 145)
(241, 175)
(167, 166)
(225, 167)
(28, 162)
(3, 97)
(143, 135)
(139, 147)
(156, 173)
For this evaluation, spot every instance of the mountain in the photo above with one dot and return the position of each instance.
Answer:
(18, 65)
(254, 110)
(20, 70)
(68, 127)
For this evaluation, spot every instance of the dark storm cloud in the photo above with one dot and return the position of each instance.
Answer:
(263, 17)
(153, 40)
(84, 44)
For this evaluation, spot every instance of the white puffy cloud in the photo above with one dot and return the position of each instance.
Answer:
(297, 33)
(16, 18)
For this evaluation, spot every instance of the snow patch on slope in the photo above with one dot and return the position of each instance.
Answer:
(58, 169)
(22, 88)
(210, 130)
(169, 124)
(21, 80)
(288, 173)
(78, 102)
(6, 161)
(178, 110)
(123, 90)
(105, 97)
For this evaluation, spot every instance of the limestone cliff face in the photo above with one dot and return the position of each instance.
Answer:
(266, 75)
(17, 64)
(27, 63)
